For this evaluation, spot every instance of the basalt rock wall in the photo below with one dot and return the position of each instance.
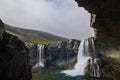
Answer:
(62, 53)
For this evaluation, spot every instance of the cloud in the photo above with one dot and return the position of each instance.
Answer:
(60, 17)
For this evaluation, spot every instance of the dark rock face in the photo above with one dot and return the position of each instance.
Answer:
(2, 29)
(14, 60)
(60, 54)
(100, 6)
(33, 53)
(105, 19)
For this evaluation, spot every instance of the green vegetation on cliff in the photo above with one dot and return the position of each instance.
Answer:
(33, 36)
(115, 54)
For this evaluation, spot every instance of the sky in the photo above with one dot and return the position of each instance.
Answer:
(60, 17)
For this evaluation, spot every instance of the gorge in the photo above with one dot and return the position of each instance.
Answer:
(87, 65)
(105, 21)
(97, 58)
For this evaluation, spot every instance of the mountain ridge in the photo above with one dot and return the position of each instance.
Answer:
(34, 36)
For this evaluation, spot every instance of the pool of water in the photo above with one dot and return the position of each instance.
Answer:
(56, 75)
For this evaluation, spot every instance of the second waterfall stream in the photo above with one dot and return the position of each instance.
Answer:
(40, 56)
(86, 54)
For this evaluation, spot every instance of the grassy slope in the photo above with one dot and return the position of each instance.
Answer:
(33, 35)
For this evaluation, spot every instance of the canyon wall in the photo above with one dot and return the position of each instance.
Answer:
(61, 54)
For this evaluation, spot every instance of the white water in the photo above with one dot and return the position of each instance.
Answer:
(81, 60)
(97, 71)
(41, 56)
(96, 67)
(86, 52)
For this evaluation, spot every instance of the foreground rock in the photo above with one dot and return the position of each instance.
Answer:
(105, 19)
(14, 60)
(110, 68)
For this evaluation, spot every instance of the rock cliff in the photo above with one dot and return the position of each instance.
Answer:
(14, 60)
(105, 19)
(57, 55)
(62, 53)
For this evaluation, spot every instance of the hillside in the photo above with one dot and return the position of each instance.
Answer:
(33, 35)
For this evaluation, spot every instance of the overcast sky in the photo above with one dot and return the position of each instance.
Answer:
(60, 17)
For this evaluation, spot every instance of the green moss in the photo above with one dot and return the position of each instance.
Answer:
(19, 36)
(40, 41)
(111, 64)
(113, 53)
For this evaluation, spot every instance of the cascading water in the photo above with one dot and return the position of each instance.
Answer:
(96, 69)
(85, 54)
(41, 56)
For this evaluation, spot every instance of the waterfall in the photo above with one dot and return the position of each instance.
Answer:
(40, 56)
(85, 56)
(96, 69)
